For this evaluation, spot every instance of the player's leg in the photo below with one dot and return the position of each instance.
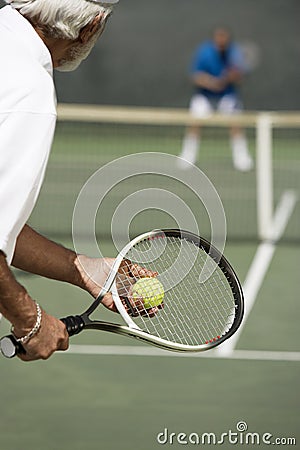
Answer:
(242, 160)
(199, 107)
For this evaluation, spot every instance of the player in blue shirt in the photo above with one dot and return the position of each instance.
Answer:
(216, 71)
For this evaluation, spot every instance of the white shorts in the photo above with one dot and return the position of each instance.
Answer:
(201, 106)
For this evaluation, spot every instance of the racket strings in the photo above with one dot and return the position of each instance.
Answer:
(178, 319)
(193, 311)
(172, 320)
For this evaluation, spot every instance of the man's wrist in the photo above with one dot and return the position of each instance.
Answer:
(15, 303)
(80, 275)
(24, 318)
(34, 330)
(88, 272)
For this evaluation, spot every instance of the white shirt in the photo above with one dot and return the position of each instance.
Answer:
(27, 122)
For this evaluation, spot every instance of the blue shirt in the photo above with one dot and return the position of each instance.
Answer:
(208, 59)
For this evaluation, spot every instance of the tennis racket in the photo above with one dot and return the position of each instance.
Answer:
(203, 300)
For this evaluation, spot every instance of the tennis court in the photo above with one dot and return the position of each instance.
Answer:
(110, 392)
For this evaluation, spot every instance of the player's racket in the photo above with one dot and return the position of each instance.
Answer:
(203, 299)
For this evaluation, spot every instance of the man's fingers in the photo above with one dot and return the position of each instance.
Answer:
(51, 337)
(129, 269)
(124, 285)
(125, 267)
(63, 344)
(128, 274)
(26, 358)
(135, 307)
(45, 353)
(141, 272)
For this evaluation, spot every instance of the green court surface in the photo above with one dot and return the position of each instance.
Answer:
(91, 402)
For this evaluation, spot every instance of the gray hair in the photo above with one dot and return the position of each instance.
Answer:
(62, 18)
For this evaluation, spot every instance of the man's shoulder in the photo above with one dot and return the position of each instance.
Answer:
(26, 82)
(25, 85)
(206, 45)
(205, 48)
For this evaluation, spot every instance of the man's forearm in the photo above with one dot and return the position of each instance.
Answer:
(19, 308)
(36, 254)
(15, 303)
(207, 81)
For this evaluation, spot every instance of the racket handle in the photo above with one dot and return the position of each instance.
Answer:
(74, 324)
(10, 347)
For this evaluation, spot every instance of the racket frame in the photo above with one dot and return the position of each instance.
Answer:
(131, 329)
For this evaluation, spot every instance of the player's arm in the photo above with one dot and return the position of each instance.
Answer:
(233, 76)
(237, 67)
(20, 309)
(39, 255)
(200, 75)
(207, 81)
(36, 254)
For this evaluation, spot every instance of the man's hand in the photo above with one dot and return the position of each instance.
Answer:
(94, 272)
(232, 76)
(19, 308)
(51, 336)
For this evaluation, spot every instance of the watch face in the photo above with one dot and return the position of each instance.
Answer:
(7, 347)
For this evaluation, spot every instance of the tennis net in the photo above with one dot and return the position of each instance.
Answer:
(88, 137)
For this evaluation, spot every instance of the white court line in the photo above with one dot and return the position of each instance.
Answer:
(261, 263)
(283, 212)
(131, 350)
(251, 287)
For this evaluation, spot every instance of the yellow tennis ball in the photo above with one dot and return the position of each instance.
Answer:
(151, 290)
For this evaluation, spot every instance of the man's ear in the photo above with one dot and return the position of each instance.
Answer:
(90, 29)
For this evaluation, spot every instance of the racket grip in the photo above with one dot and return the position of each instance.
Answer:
(74, 324)
(10, 347)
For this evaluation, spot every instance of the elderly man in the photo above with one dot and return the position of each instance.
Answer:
(35, 37)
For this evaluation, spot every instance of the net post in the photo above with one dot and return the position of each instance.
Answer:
(264, 176)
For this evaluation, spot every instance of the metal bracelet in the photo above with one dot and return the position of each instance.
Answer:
(35, 329)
